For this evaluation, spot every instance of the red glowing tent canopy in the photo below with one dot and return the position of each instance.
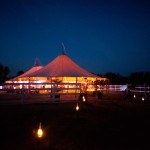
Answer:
(62, 66)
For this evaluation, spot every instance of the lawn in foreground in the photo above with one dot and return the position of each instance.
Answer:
(99, 125)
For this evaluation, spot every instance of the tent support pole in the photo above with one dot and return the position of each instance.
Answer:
(76, 89)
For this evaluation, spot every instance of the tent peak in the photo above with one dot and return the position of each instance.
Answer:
(37, 62)
(63, 49)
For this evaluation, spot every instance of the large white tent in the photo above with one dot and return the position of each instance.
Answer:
(62, 66)
(60, 70)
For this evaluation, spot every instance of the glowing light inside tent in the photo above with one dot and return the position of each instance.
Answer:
(40, 131)
(91, 88)
(39, 81)
(143, 98)
(20, 86)
(77, 107)
(22, 82)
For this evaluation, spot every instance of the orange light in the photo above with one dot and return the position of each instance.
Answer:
(40, 131)
(83, 98)
(77, 107)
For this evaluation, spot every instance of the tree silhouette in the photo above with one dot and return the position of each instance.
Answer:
(20, 72)
(4, 72)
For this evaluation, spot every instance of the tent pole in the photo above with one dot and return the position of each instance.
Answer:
(96, 85)
(51, 89)
(76, 89)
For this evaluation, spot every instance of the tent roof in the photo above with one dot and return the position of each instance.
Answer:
(62, 66)
(37, 65)
(33, 69)
(26, 74)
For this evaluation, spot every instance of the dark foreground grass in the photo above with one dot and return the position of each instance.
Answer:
(99, 125)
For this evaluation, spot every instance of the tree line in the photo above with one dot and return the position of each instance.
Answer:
(134, 78)
(114, 78)
(4, 72)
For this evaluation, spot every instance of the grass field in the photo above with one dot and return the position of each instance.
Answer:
(112, 124)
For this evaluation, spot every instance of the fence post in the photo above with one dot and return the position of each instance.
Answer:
(22, 93)
(145, 92)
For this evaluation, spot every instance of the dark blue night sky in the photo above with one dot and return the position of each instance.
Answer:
(100, 36)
